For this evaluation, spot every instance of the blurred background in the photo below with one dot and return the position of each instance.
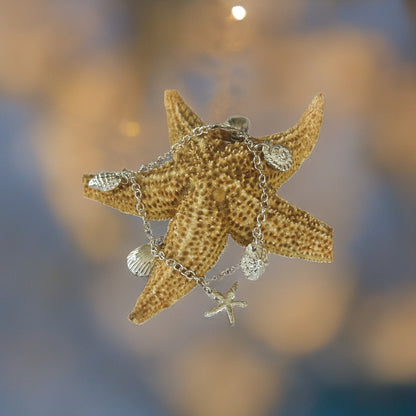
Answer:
(81, 90)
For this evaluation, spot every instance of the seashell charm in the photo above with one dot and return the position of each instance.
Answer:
(141, 261)
(239, 122)
(280, 157)
(105, 181)
(254, 262)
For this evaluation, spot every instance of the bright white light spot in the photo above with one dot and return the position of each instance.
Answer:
(238, 12)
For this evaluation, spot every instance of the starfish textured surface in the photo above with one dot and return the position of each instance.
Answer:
(226, 303)
(209, 191)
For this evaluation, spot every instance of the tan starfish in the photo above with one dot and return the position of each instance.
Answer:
(210, 190)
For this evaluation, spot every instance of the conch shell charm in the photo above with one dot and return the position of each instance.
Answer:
(254, 261)
(105, 181)
(278, 156)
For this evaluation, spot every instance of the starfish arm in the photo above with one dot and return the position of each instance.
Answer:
(162, 190)
(300, 139)
(231, 315)
(288, 230)
(240, 303)
(214, 310)
(196, 237)
(293, 232)
(181, 119)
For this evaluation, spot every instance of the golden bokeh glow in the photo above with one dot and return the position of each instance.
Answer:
(385, 335)
(129, 128)
(300, 314)
(238, 381)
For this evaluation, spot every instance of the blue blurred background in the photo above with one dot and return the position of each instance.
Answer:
(81, 90)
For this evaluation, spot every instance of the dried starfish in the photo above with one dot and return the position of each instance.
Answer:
(210, 190)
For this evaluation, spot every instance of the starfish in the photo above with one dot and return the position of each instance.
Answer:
(210, 190)
(226, 303)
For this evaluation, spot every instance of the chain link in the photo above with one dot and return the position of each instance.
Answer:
(129, 177)
(258, 237)
(224, 273)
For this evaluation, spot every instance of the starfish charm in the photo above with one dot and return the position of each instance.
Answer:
(210, 190)
(226, 303)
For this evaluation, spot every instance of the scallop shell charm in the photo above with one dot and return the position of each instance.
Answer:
(105, 181)
(254, 262)
(280, 157)
(141, 261)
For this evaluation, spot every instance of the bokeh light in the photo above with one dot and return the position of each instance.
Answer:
(385, 335)
(238, 12)
(129, 128)
(218, 376)
(283, 313)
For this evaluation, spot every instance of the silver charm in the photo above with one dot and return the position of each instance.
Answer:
(225, 302)
(105, 181)
(141, 261)
(254, 262)
(238, 127)
(280, 157)
(239, 122)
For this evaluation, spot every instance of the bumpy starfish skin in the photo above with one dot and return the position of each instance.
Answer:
(210, 190)
(288, 230)
(160, 206)
(181, 119)
(196, 236)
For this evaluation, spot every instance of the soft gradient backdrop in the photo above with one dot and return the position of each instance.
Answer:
(81, 90)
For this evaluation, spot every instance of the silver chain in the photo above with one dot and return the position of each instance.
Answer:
(258, 237)
(129, 177)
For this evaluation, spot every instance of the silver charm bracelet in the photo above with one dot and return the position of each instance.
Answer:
(254, 261)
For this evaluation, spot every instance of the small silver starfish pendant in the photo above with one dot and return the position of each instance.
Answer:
(225, 303)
